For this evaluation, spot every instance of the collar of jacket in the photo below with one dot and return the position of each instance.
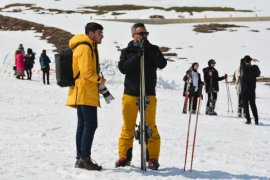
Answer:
(131, 44)
(80, 38)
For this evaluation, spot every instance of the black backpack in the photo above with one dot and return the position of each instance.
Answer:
(63, 67)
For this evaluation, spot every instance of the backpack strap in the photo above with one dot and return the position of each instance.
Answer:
(90, 46)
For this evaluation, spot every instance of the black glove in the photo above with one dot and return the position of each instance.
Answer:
(140, 52)
(225, 76)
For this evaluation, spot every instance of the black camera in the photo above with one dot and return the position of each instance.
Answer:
(106, 93)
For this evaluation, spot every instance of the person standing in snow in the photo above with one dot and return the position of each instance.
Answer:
(19, 65)
(248, 86)
(29, 62)
(84, 95)
(45, 66)
(21, 50)
(129, 65)
(195, 86)
(236, 80)
(211, 79)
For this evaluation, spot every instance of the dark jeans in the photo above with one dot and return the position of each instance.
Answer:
(195, 100)
(87, 125)
(29, 73)
(249, 98)
(46, 72)
(214, 94)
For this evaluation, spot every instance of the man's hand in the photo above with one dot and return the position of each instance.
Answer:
(103, 81)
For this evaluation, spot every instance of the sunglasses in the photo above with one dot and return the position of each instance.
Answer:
(142, 33)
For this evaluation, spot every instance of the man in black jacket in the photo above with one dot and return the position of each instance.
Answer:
(211, 79)
(248, 87)
(129, 65)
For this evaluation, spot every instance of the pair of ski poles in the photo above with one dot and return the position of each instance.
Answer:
(194, 135)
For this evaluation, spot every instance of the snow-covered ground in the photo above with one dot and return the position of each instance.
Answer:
(38, 132)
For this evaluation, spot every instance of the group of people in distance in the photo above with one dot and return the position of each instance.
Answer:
(84, 95)
(25, 62)
(244, 78)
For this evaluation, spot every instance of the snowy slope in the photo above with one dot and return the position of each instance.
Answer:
(38, 132)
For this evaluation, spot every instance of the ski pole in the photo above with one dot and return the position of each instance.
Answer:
(229, 95)
(228, 100)
(187, 140)
(195, 132)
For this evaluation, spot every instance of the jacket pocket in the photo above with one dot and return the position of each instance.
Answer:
(91, 90)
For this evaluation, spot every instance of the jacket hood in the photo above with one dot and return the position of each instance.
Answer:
(79, 38)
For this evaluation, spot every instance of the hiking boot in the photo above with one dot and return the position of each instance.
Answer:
(87, 163)
(122, 162)
(153, 164)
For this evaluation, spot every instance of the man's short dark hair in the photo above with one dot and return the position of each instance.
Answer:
(135, 26)
(92, 27)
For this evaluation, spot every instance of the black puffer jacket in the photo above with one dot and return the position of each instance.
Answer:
(129, 65)
(248, 78)
(215, 79)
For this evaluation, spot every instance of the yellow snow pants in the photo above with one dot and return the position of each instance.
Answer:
(129, 112)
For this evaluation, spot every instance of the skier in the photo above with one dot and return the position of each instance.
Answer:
(129, 65)
(195, 85)
(237, 77)
(248, 86)
(211, 79)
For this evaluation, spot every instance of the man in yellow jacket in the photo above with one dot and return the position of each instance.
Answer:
(84, 95)
(129, 65)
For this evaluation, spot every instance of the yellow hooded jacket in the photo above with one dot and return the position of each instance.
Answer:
(85, 61)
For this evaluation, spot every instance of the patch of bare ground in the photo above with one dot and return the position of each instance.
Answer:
(263, 79)
(210, 28)
(58, 37)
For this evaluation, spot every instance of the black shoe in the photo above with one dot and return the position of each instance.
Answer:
(212, 113)
(256, 122)
(122, 162)
(248, 122)
(193, 111)
(153, 164)
(184, 112)
(87, 163)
